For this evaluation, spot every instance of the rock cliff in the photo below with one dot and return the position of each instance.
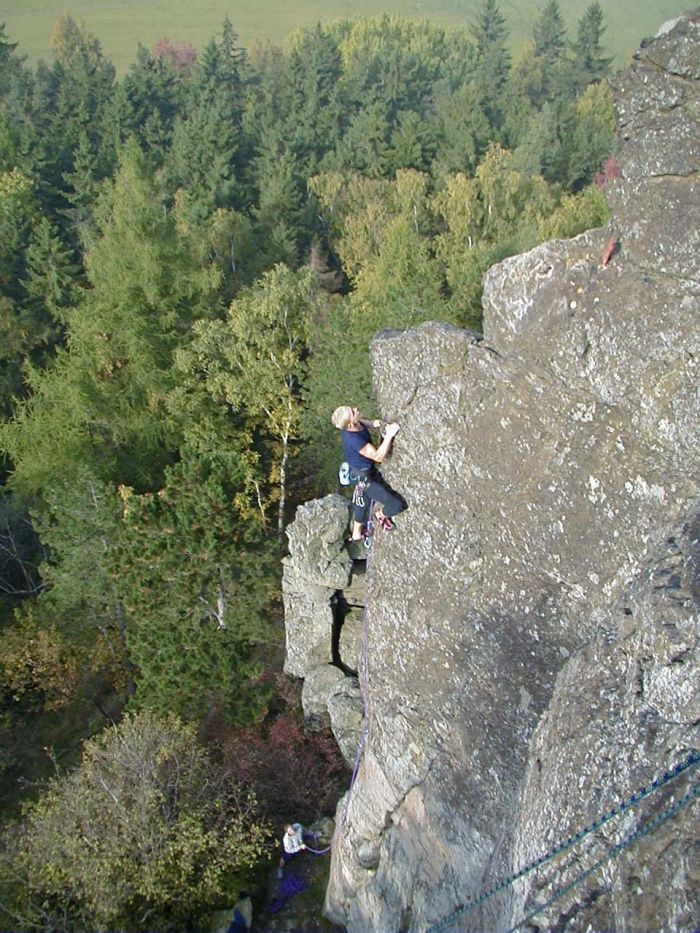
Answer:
(532, 624)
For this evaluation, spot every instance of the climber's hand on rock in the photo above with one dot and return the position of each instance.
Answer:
(391, 430)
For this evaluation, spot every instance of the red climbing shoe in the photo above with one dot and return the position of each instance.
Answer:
(386, 523)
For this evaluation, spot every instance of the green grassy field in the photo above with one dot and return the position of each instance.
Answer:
(121, 24)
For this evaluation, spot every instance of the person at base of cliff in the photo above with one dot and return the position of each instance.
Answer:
(292, 842)
(363, 456)
(242, 918)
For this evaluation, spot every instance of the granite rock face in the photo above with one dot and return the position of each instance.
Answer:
(317, 589)
(317, 567)
(532, 624)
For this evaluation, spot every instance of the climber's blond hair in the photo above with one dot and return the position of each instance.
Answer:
(342, 417)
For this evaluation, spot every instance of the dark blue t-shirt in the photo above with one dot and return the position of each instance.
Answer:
(353, 442)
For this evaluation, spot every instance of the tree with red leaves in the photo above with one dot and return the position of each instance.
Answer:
(181, 56)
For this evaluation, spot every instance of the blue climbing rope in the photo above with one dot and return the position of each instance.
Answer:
(647, 790)
(629, 840)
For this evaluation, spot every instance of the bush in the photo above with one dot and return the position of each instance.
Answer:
(145, 835)
(296, 773)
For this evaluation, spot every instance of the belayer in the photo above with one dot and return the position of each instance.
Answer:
(362, 457)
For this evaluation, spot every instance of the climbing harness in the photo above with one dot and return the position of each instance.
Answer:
(358, 493)
(691, 761)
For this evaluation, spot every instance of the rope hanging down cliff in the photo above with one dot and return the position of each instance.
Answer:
(616, 850)
(647, 790)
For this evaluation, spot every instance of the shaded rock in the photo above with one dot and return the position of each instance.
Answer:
(320, 683)
(329, 694)
(316, 567)
(320, 596)
(642, 697)
(346, 711)
(350, 635)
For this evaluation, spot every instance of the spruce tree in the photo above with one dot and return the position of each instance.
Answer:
(154, 92)
(51, 280)
(549, 34)
(78, 87)
(20, 332)
(493, 59)
(590, 64)
(7, 50)
(315, 112)
(81, 187)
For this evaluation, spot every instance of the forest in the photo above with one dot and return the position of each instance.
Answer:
(193, 261)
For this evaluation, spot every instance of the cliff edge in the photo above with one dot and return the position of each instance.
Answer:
(532, 624)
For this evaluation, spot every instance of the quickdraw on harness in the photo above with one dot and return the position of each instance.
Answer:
(359, 500)
(358, 493)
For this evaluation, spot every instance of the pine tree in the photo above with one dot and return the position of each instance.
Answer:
(589, 63)
(549, 34)
(493, 59)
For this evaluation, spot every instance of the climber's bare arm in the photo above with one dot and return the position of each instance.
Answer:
(379, 453)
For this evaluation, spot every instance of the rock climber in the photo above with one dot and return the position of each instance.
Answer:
(363, 456)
